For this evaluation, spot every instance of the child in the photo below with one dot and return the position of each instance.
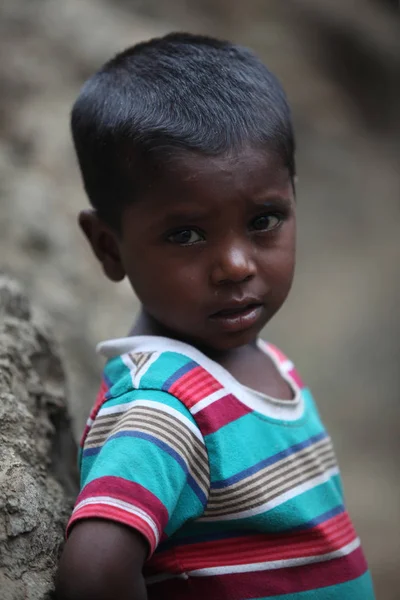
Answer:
(205, 469)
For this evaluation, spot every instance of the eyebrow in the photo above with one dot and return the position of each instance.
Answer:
(270, 200)
(185, 215)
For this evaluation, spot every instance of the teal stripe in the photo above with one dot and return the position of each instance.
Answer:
(114, 369)
(187, 508)
(142, 462)
(357, 589)
(86, 466)
(259, 445)
(118, 376)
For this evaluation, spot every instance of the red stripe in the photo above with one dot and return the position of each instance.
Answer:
(194, 386)
(281, 358)
(256, 584)
(112, 513)
(205, 389)
(325, 538)
(129, 492)
(100, 399)
(188, 379)
(216, 415)
(293, 374)
(276, 352)
(250, 555)
(84, 436)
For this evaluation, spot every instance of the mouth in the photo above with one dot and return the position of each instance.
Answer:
(239, 316)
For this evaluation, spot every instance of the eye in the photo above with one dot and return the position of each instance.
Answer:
(185, 237)
(266, 222)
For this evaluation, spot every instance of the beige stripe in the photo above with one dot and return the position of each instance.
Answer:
(269, 482)
(181, 439)
(171, 426)
(148, 414)
(195, 462)
(267, 491)
(313, 450)
(249, 502)
(107, 422)
(269, 477)
(142, 414)
(263, 496)
(171, 423)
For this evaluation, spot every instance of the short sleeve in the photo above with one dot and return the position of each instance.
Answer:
(144, 464)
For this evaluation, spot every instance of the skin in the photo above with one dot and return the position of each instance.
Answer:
(210, 234)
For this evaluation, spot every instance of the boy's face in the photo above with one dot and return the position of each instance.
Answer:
(210, 249)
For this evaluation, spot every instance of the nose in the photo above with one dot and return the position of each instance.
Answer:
(233, 264)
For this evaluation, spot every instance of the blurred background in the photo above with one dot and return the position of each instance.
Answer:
(339, 62)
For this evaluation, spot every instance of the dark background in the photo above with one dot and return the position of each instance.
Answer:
(339, 62)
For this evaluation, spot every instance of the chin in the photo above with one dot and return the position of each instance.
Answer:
(229, 342)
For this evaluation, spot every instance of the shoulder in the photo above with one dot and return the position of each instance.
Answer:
(146, 370)
(138, 393)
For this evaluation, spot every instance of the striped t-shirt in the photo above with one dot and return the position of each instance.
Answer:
(238, 494)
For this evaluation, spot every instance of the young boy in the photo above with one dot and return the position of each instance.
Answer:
(205, 469)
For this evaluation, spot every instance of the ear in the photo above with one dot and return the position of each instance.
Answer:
(104, 243)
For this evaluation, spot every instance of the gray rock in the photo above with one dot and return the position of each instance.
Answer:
(38, 479)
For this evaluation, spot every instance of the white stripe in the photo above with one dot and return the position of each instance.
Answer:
(89, 422)
(292, 493)
(263, 566)
(121, 408)
(128, 362)
(165, 577)
(208, 400)
(287, 366)
(137, 373)
(134, 510)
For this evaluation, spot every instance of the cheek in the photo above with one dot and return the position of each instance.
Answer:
(162, 283)
(278, 265)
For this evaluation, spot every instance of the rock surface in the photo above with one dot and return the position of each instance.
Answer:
(37, 451)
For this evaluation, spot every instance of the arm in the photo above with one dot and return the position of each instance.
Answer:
(102, 560)
(136, 463)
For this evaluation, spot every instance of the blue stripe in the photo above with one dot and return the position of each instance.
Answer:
(107, 380)
(150, 438)
(268, 461)
(91, 451)
(321, 518)
(178, 374)
(206, 537)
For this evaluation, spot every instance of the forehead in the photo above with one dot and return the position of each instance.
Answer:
(242, 170)
(197, 183)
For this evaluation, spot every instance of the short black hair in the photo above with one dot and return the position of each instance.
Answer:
(176, 93)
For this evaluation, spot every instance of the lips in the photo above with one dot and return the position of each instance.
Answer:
(238, 316)
(236, 310)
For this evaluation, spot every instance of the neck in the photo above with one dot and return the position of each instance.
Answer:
(145, 324)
